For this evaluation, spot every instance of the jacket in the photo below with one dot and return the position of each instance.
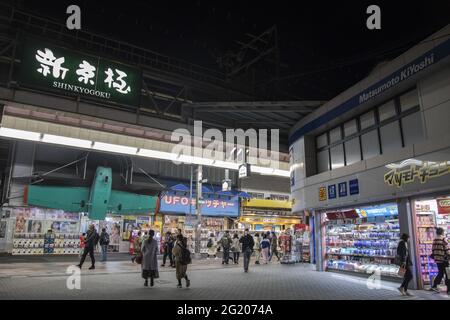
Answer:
(104, 238)
(91, 238)
(236, 246)
(225, 242)
(440, 250)
(149, 254)
(265, 244)
(274, 243)
(247, 242)
(181, 269)
(403, 253)
(257, 243)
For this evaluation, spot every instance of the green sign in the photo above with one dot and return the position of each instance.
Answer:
(50, 67)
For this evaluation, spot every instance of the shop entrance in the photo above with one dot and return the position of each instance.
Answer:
(430, 213)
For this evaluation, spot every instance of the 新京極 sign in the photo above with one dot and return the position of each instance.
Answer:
(49, 67)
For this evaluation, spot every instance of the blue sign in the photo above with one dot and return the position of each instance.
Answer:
(381, 211)
(332, 191)
(213, 206)
(353, 186)
(342, 189)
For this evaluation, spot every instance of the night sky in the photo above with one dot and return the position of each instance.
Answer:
(324, 44)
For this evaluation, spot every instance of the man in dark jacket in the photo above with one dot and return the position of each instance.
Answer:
(104, 242)
(91, 241)
(168, 246)
(247, 248)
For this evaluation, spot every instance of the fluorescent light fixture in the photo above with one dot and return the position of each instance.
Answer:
(20, 134)
(114, 148)
(72, 142)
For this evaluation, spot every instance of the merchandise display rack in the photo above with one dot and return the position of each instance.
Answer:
(40, 244)
(363, 247)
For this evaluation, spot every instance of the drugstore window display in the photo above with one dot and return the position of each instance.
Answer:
(430, 214)
(363, 243)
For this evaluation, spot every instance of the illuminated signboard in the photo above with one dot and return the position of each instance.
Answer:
(49, 67)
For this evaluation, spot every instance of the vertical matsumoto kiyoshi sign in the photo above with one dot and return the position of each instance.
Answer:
(50, 67)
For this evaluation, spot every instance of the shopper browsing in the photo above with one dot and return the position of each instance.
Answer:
(236, 248)
(274, 247)
(441, 255)
(265, 245)
(247, 248)
(257, 247)
(149, 259)
(104, 242)
(90, 243)
(404, 260)
(182, 259)
(212, 246)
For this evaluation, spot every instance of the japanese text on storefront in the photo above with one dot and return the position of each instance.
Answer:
(422, 171)
(213, 207)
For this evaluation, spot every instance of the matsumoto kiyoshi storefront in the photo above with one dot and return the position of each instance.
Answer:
(362, 216)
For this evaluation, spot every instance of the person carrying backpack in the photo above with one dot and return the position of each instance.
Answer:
(225, 242)
(440, 255)
(182, 259)
(265, 245)
(104, 242)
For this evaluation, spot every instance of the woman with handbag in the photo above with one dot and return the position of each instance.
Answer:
(404, 260)
(440, 255)
(149, 259)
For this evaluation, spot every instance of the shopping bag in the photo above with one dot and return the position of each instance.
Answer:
(401, 271)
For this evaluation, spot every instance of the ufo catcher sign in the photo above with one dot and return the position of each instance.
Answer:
(49, 67)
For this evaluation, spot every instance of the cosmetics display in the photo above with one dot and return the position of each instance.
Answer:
(362, 246)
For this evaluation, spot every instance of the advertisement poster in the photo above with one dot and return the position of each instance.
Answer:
(443, 205)
(2, 229)
(35, 226)
(20, 224)
(128, 226)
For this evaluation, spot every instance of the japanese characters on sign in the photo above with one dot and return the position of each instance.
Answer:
(411, 171)
(53, 68)
(332, 191)
(173, 203)
(322, 193)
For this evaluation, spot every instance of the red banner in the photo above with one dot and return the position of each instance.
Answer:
(348, 214)
(443, 205)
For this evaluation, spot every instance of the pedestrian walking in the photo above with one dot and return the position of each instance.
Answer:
(404, 260)
(265, 245)
(104, 242)
(82, 244)
(182, 259)
(149, 259)
(441, 255)
(225, 242)
(212, 246)
(90, 243)
(167, 247)
(137, 244)
(236, 248)
(257, 247)
(247, 248)
(274, 247)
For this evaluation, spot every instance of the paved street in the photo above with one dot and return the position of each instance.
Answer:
(210, 280)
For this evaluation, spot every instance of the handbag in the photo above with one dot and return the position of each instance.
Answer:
(401, 271)
(138, 259)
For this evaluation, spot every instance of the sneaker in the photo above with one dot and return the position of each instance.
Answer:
(409, 294)
(402, 291)
(256, 262)
(434, 289)
(163, 265)
(91, 267)
(179, 286)
(146, 284)
(245, 270)
(79, 266)
(188, 283)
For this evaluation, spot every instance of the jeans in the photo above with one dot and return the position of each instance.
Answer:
(168, 253)
(274, 252)
(440, 275)
(407, 278)
(236, 256)
(104, 251)
(247, 254)
(87, 250)
(226, 255)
